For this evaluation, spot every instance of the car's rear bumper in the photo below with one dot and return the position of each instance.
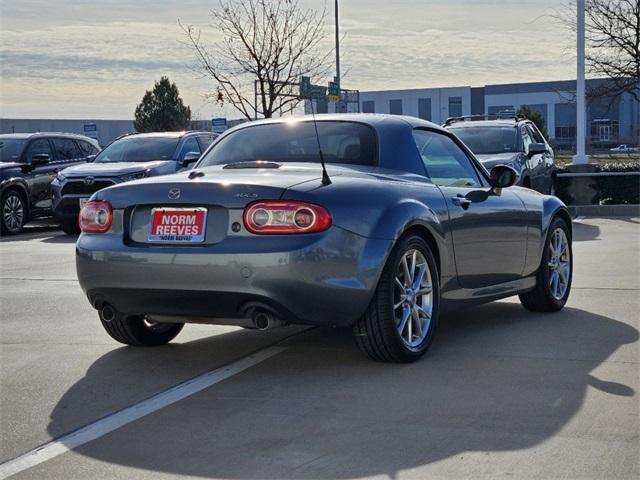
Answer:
(318, 279)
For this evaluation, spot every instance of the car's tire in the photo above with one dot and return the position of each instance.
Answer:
(553, 279)
(378, 332)
(138, 331)
(70, 227)
(13, 212)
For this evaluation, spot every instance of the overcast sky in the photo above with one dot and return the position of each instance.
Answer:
(85, 59)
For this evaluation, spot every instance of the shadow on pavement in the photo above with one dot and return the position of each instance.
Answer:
(498, 378)
(583, 232)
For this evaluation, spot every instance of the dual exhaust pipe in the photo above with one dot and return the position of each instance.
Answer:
(260, 318)
(265, 320)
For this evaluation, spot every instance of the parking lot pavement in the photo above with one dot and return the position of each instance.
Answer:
(503, 392)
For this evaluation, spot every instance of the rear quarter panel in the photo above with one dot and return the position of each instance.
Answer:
(540, 210)
(385, 207)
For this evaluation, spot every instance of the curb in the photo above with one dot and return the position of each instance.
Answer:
(604, 210)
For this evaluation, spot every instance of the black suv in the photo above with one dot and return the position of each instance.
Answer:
(509, 140)
(129, 157)
(28, 164)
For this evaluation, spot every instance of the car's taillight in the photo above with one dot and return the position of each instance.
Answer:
(282, 217)
(95, 217)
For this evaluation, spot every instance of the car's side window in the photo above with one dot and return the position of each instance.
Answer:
(66, 149)
(86, 148)
(189, 145)
(526, 139)
(535, 134)
(445, 162)
(38, 147)
(205, 141)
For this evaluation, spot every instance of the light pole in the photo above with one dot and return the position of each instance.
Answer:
(337, 46)
(580, 157)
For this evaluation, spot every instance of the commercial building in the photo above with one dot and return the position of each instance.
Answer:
(610, 120)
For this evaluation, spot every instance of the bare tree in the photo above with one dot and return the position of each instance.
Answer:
(612, 35)
(266, 46)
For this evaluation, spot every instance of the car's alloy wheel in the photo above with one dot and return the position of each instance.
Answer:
(559, 264)
(399, 324)
(413, 298)
(553, 279)
(13, 212)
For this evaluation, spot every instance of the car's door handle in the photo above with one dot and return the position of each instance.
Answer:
(461, 202)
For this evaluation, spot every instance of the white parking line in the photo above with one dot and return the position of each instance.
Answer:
(129, 414)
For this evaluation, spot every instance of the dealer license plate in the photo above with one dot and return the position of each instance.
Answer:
(186, 225)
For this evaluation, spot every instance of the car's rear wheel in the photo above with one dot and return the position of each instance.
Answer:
(401, 319)
(138, 330)
(70, 227)
(553, 280)
(14, 213)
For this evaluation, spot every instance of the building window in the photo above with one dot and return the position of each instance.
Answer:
(395, 107)
(455, 106)
(605, 130)
(368, 106)
(424, 108)
(565, 133)
(501, 109)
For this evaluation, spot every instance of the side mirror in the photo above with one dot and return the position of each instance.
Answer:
(39, 159)
(190, 158)
(536, 149)
(503, 176)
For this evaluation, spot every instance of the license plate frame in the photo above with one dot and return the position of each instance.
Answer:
(174, 230)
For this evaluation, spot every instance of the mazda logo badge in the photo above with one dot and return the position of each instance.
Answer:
(174, 193)
(89, 181)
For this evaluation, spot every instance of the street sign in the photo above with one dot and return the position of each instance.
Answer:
(90, 130)
(218, 125)
(312, 92)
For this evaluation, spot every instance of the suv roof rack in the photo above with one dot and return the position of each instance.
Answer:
(484, 116)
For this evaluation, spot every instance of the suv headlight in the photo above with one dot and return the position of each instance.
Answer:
(135, 176)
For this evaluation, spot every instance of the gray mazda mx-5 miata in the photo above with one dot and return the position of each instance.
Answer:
(402, 224)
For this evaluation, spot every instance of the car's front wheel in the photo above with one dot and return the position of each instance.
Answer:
(553, 280)
(139, 330)
(14, 213)
(401, 319)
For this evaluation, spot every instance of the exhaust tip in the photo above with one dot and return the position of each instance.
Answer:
(108, 313)
(262, 320)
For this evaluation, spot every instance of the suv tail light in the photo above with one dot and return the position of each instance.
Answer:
(95, 217)
(285, 217)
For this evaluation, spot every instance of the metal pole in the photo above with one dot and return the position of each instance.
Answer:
(580, 156)
(337, 46)
(255, 99)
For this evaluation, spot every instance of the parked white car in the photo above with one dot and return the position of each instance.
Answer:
(624, 149)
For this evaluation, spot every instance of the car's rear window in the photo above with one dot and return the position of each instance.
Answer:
(11, 149)
(295, 141)
(487, 139)
(139, 149)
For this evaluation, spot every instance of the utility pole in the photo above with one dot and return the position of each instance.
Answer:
(337, 46)
(580, 157)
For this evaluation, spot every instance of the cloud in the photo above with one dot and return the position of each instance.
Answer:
(80, 59)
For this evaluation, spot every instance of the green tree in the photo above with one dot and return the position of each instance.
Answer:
(536, 117)
(162, 109)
